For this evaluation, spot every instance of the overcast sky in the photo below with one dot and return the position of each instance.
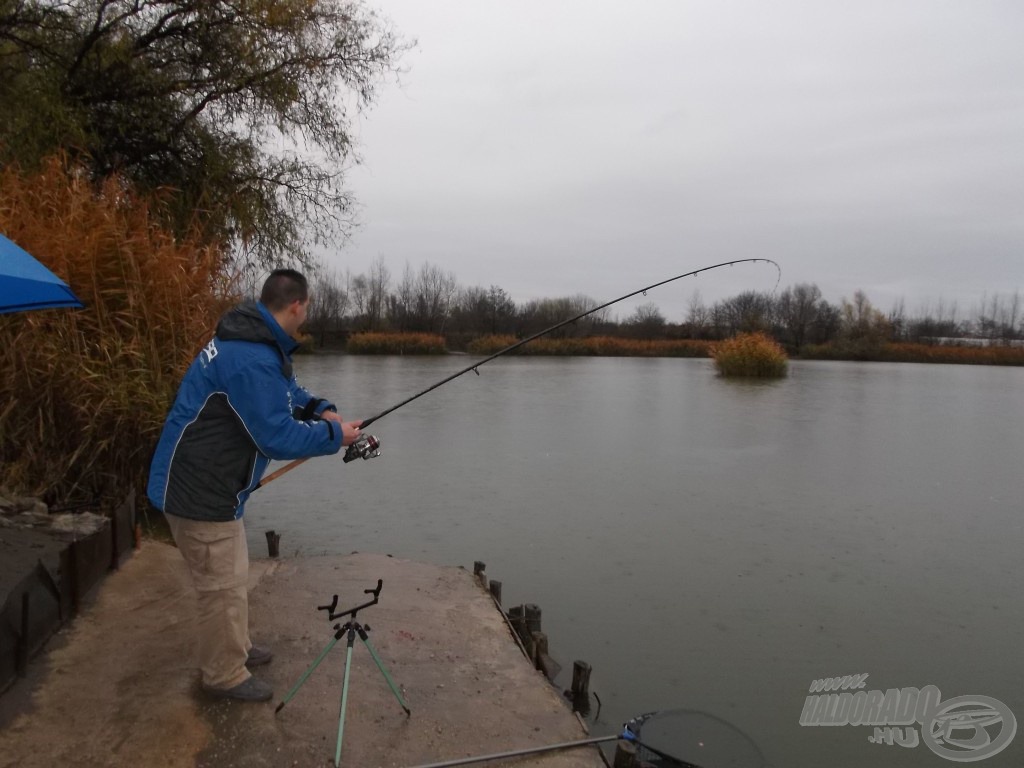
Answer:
(555, 148)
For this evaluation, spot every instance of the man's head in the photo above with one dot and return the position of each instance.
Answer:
(286, 294)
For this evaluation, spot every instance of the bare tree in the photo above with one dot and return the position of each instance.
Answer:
(863, 328)
(898, 319)
(797, 310)
(435, 290)
(360, 293)
(402, 302)
(749, 311)
(542, 313)
(329, 300)
(481, 311)
(647, 322)
(501, 310)
(377, 287)
(1013, 312)
(698, 316)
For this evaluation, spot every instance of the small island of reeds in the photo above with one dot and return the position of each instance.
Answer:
(753, 355)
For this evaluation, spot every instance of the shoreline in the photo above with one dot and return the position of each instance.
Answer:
(998, 355)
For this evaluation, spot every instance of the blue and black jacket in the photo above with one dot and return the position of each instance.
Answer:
(237, 408)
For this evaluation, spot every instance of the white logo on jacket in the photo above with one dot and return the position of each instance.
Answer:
(210, 350)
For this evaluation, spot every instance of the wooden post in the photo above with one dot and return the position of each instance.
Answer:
(534, 647)
(273, 542)
(478, 572)
(531, 649)
(517, 619)
(579, 694)
(542, 642)
(580, 679)
(496, 590)
(532, 617)
(625, 755)
(541, 659)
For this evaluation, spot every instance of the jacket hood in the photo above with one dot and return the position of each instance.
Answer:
(245, 323)
(250, 321)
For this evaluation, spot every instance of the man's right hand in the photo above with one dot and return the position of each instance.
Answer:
(350, 432)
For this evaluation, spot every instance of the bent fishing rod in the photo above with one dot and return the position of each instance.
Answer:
(367, 445)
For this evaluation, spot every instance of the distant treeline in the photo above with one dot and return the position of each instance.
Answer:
(430, 300)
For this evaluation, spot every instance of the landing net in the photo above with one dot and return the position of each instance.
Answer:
(686, 738)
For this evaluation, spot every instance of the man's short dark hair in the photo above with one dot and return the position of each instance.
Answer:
(282, 288)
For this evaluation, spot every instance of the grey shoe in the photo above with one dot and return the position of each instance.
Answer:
(252, 689)
(259, 656)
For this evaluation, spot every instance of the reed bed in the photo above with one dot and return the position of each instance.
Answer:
(754, 355)
(905, 352)
(395, 344)
(598, 346)
(85, 392)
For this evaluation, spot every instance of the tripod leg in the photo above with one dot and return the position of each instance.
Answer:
(306, 674)
(383, 671)
(344, 696)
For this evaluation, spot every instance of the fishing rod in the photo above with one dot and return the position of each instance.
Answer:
(367, 446)
(725, 743)
(625, 735)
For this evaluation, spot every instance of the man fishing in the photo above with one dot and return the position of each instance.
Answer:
(238, 407)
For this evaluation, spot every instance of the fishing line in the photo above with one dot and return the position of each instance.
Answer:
(367, 445)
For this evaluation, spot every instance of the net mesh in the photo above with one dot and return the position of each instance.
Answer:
(683, 738)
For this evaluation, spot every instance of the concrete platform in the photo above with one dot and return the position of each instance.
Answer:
(119, 687)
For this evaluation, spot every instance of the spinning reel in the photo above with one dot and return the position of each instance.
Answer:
(365, 447)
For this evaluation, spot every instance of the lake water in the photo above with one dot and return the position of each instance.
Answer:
(709, 545)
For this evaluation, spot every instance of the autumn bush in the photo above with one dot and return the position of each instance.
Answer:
(751, 355)
(395, 344)
(604, 346)
(83, 393)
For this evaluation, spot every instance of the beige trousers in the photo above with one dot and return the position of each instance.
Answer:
(218, 558)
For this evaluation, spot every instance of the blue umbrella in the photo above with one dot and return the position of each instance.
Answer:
(27, 284)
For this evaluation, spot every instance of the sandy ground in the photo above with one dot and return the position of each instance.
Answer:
(119, 687)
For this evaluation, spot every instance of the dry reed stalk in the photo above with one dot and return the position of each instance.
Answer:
(92, 386)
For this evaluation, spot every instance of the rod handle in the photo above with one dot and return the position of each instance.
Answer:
(276, 474)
